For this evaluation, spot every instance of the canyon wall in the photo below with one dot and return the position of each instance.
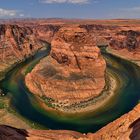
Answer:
(124, 128)
(45, 32)
(126, 43)
(18, 42)
(75, 60)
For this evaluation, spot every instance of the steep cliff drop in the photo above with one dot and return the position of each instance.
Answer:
(73, 73)
(126, 44)
(16, 44)
(19, 41)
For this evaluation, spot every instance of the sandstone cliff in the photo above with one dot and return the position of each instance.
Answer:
(45, 32)
(126, 43)
(16, 44)
(19, 41)
(125, 128)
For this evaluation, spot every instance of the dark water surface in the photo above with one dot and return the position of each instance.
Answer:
(125, 98)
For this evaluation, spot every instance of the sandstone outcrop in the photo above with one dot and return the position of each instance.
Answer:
(16, 44)
(10, 133)
(75, 61)
(17, 41)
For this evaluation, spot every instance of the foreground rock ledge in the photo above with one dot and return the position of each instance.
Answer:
(125, 128)
(74, 72)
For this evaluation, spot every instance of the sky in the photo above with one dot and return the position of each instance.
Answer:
(87, 9)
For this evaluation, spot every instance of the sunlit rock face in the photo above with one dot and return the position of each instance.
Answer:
(75, 48)
(126, 43)
(60, 76)
(45, 32)
(18, 41)
(10, 133)
(73, 72)
(16, 44)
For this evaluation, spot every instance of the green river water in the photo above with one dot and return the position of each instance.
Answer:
(24, 103)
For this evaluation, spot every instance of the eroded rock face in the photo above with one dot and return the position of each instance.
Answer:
(75, 61)
(126, 127)
(16, 44)
(45, 32)
(129, 40)
(126, 43)
(75, 48)
(19, 41)
(10, 133)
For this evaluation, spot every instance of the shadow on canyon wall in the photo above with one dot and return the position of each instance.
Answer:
(135, 126)
(10, 133)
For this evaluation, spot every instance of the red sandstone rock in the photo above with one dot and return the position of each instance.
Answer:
(45, 32)
(73, 73)
(126, 39)
(16, 41)
(16, 44)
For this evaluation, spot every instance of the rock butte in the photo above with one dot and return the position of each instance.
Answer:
(74, 61)
(20, 41)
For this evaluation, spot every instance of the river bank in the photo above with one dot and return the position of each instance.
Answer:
(124, 54)
(8, 115)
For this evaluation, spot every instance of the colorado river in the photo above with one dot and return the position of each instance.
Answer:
(24, 103)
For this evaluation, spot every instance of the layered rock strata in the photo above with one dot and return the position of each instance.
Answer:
(73, 73)
(16, 43)
(45, 32)
(125, 128)
(126, 43)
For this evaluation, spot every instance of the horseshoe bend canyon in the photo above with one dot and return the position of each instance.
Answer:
(69, 79)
